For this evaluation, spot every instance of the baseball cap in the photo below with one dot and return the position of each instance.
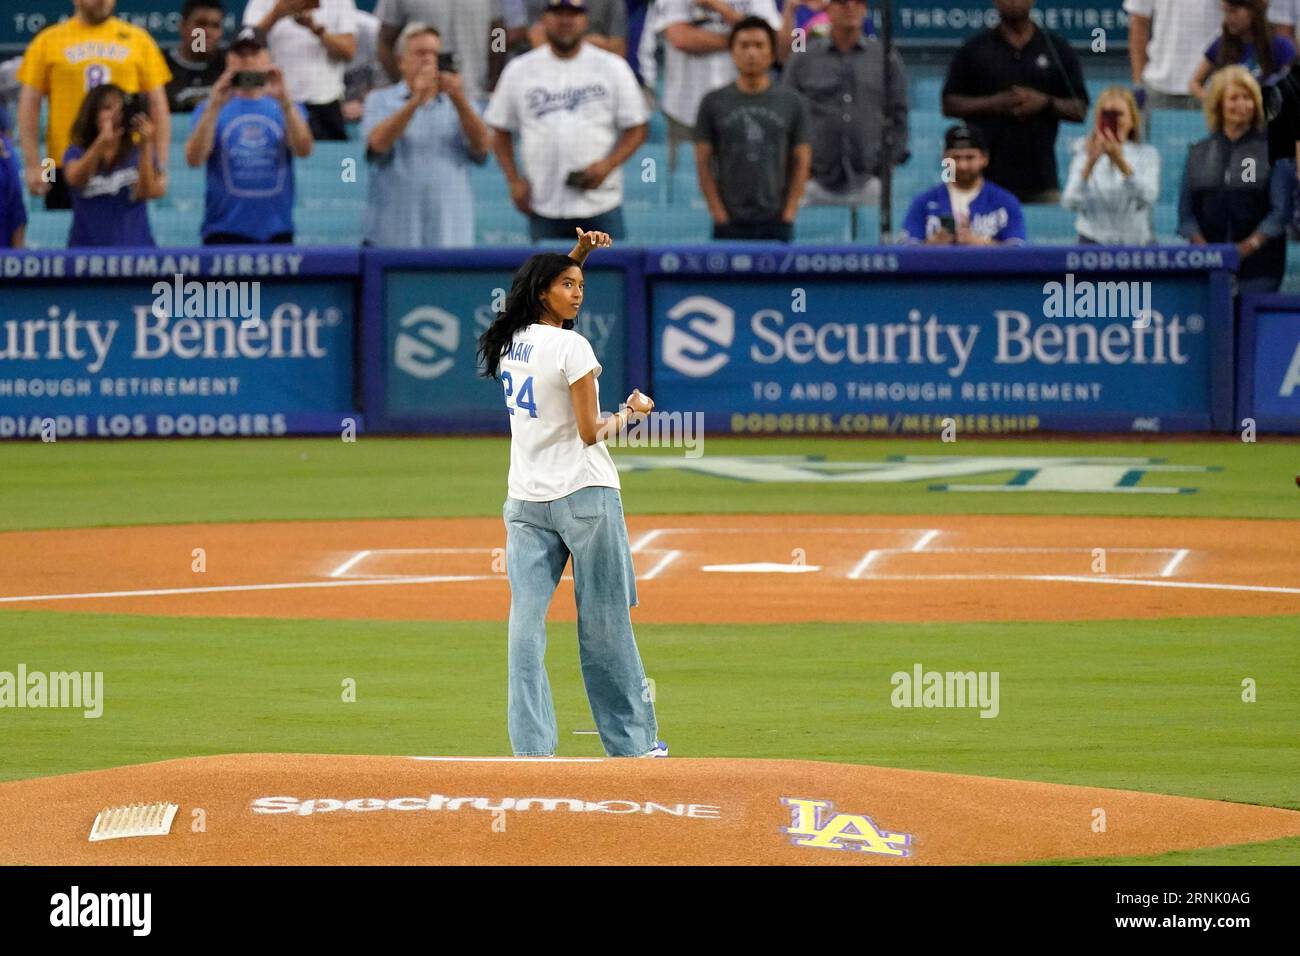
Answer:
(578, 6)
(249, 36)
(962, 136)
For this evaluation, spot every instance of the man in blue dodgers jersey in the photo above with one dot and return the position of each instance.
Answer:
(563, 499)
(966, 209)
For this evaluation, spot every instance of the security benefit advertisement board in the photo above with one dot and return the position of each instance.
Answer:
(934, 354)
(1268, 370)
(175, 348)
(432, 319)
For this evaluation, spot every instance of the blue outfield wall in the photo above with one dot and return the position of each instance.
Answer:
(897, 340)
(1268, 369)
(425, 310)
(97, 341)
(759, 338)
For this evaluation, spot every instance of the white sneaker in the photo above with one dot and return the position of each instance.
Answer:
(660, 749)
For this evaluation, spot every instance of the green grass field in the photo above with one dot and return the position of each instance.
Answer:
(87, 483)
(1142, 705)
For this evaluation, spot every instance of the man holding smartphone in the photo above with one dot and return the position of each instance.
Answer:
(247, 133)
(422, 136)
(312, 41)
(965, 209)
(579, 115)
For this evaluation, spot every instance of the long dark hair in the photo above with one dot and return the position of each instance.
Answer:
(523, 306)
(1231, 47)
(85, 128)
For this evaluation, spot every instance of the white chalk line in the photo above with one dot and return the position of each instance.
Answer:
(863, 565)
(646, 538)
(668, 558)
(440, 579)
(1168, 570)
(346, 566)
(923, 542)
(217, 589)
(342, 571)
(1081, 579)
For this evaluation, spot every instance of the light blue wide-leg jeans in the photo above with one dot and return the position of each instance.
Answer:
(540, 537)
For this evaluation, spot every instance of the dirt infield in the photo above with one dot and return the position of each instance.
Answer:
(691, 568)
(408, 810)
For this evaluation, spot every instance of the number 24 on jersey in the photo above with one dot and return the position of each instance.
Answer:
(522, 400)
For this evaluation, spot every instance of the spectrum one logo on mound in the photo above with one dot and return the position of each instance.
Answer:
(427, 345)
(438, 802)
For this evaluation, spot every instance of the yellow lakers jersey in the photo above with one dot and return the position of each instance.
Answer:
(67, 60)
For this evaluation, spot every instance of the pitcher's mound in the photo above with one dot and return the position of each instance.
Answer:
(320, 809)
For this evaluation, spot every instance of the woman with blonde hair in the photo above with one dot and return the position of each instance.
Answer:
(1114, 179)
(1231, 193)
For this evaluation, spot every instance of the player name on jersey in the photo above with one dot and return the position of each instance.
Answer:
(518, 352)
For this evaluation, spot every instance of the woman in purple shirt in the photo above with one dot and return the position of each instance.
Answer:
(1247, 40)
(111, 172)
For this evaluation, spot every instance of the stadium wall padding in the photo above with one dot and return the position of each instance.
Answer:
(759, 338)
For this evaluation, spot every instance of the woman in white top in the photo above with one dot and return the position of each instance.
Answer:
(564, 501)
(1114, 179)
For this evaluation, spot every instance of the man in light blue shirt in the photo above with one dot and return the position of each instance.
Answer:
(421, 136)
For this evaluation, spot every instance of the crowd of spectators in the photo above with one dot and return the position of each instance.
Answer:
(784, 104)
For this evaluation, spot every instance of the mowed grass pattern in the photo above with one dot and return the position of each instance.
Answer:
(1141, 705)
(71, 484)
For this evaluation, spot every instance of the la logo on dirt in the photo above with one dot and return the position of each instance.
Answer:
(840, 831)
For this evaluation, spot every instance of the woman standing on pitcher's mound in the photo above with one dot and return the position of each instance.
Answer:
(564, 500)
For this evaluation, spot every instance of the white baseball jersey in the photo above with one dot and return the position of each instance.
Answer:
(548, 458)
(310, 73)
(1180, 32)
(567, 114)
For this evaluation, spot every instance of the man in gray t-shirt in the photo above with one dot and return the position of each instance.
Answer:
(752, 153)
(465, 26)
